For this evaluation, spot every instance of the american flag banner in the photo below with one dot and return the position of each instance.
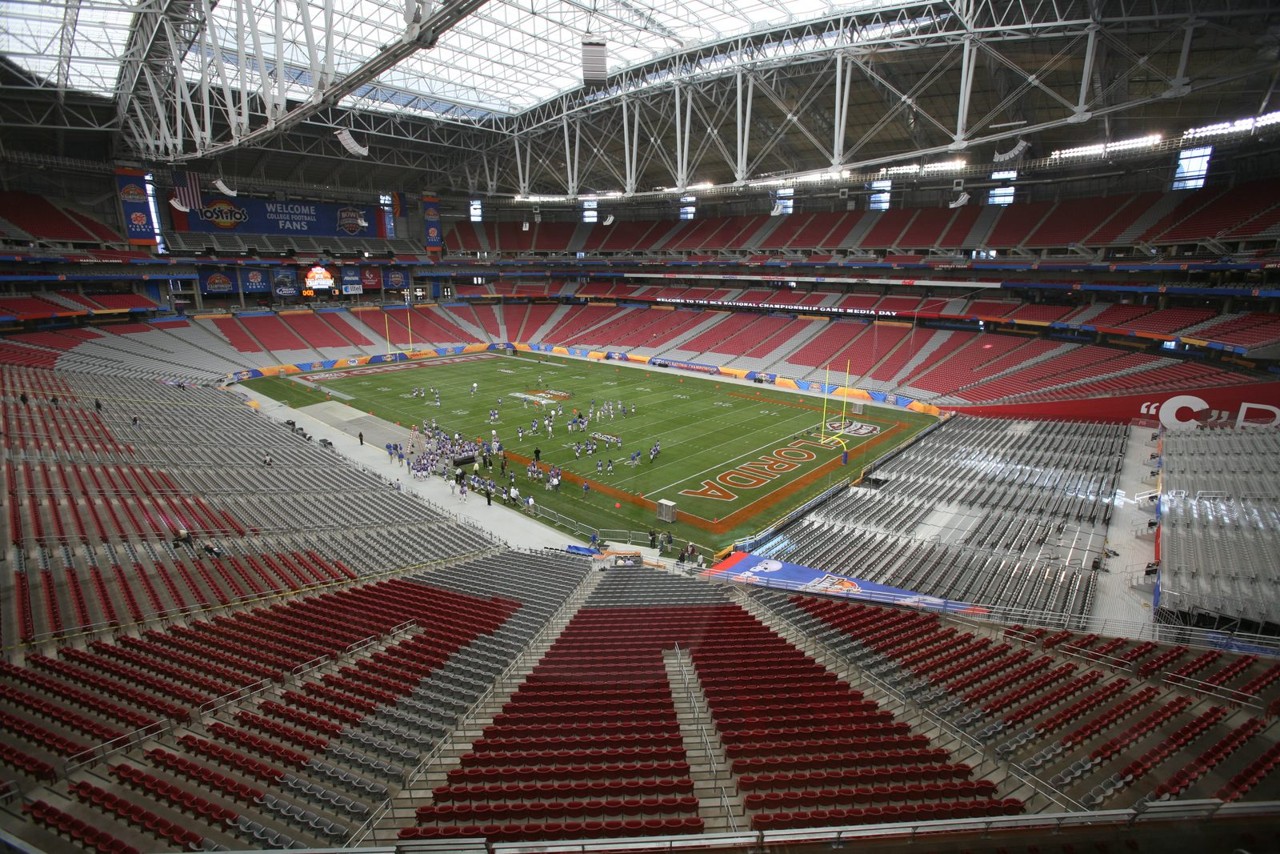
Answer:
(186, 189)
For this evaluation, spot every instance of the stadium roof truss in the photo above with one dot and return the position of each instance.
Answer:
(487, 95)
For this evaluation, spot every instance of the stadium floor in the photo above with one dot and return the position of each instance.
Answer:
(1118, 607)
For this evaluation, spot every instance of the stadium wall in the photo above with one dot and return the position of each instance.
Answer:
(1256, 404)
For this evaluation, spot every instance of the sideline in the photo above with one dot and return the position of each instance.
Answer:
(342, 424)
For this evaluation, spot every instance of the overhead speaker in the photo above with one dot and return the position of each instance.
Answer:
(594, 63)
(608, 220)
(349, 143)
(1013, 153)
(961, 201)
(223, 188)
(524, 226)
(179, 206)
(844, 193)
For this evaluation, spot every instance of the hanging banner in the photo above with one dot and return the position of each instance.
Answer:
(215, 282)
(395, 278)
(351, 282)
(371, 278)
(285, 282)
(135, 212)
(431, 219)
(259, 216)
(255, 280)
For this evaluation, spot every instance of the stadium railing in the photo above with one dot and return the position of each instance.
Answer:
(1049, 825)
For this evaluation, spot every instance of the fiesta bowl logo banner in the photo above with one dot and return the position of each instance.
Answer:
(223, 214)
(851, 428)
(351, 221)
(218, 283)
(253, 281)
(395, 278)
(133, 194)
(431, 221)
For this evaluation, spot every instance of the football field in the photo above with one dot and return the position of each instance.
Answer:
(731, 456)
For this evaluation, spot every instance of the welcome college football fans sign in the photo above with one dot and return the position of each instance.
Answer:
(258, 216)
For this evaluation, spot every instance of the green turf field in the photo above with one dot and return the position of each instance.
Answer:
(733, 456)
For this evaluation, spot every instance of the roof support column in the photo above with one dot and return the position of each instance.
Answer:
(522, 166)
(844, 83)
(571, 155)
(967, 63)
(744, 124)
(1086, 73)
(630, 146)
(1179, 84)
(684, 118)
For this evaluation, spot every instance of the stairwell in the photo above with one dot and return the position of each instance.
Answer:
(471, 327)
(929, 347)
(231, 359)
(380, 343)
(720, 804)
(551, 323)
(1150, 217)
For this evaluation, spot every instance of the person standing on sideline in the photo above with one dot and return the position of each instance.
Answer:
(361, 435)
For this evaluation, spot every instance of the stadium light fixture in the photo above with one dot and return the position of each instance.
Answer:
(909, 169)
(943, 166)
(1239, 126)
(1103, 149)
